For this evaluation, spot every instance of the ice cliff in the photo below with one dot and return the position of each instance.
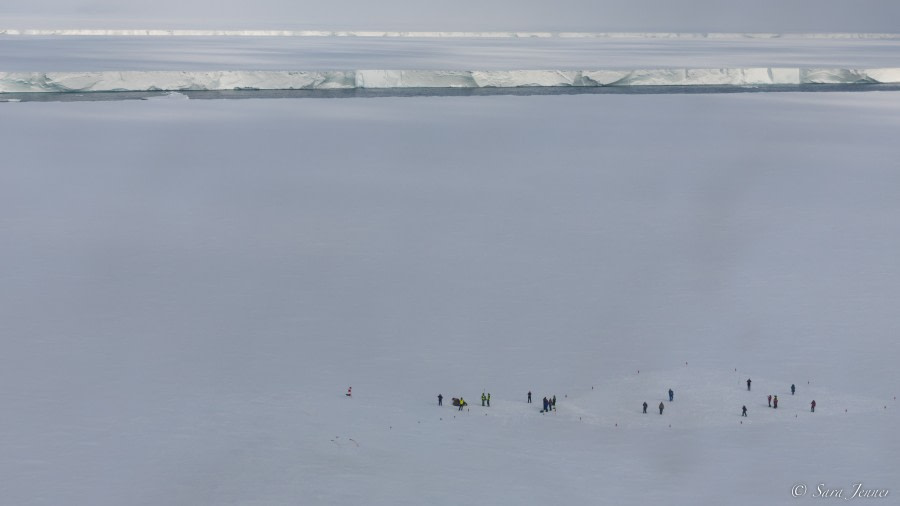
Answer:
(26, 82)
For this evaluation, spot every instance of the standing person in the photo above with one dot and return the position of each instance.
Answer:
(440, 400)
(744, 411)
(483, 398)
(812, 406)
(793, 389)
(671, 395)
(529, 397)
(545, 404)
(489, 399)
(770, 400)
(748, 384)
(462, 403)
(775, 402)
(661, 407)
(553, 403)
(645, 407)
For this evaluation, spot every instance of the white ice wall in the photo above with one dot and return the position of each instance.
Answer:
(22, 82)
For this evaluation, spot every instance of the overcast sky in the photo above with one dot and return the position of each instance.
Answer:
(582, 15)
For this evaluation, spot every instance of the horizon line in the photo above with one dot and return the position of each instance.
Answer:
(181, 32)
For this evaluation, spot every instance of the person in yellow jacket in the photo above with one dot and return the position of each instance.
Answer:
(462, 403)
(483, 399)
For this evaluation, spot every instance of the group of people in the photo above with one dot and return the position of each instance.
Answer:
(661, 406)
(550, 402)
(461, 403)
(773, 400)
(457, 401)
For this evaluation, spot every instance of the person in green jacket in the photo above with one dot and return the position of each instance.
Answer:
(483, 399)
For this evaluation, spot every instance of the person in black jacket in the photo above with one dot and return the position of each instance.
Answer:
(661, 407)
(645, 407)
(440, 400)
(529, 397)
(744, 412)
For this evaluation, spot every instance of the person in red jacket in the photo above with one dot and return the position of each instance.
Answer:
(812, 406)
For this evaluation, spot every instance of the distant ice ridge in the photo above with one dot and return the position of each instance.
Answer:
(445, 34)
(55, 82)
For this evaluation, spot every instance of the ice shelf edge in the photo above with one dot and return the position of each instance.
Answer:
(59, 82)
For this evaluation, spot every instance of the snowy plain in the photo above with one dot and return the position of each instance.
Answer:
(37, 53)
(189, 287)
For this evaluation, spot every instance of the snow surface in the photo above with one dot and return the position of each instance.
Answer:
(77, 54)
(189, 287)
(12, 82)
